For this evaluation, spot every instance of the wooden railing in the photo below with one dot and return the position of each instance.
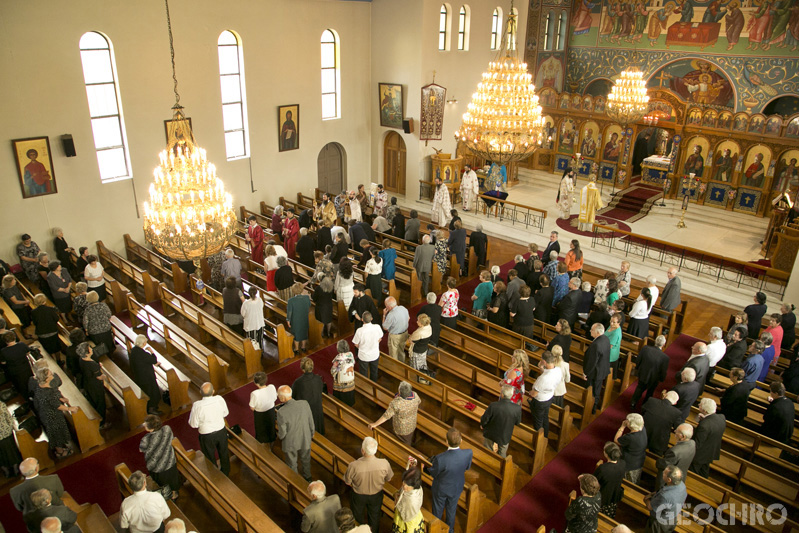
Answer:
(701, 262)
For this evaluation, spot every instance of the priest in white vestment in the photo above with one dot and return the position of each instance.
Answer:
(470, 188)
(355, 208)
(441, 204)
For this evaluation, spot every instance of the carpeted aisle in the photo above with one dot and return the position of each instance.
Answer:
(544, 499)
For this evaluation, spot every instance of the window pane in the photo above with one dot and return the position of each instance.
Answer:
(462, 23)
(231, 117)
(441, 41)
(106, 132)
(228, 59)
(92, 39)
(442, 21)
(102, 100)
(227, 37)
(328, 55)
(328, 106)
(234, 144)
(329, 80)
(97, 66)
(112, 163)
(231, 89)
(328, 37)
(460, 41)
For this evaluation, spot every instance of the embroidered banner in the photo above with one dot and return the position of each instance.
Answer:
(434, 98)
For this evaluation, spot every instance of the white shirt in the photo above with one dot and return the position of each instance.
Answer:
(653, 292)
(208, 415)
(143, 512)
(367, 338)
(335, 230)
(373, 268)
(252, 311)
(560, 389)
(715, 351)
(639, 310)
(262, 400)
(96, 272)
(546, 383)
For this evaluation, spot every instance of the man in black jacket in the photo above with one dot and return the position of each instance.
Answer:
(552, 246)
(596, 364)
(707, 436)
(734, 357)
(361, 302)
(357, 234)
(498, 422)
(779, 417)
(340, 249)
(568, 306)
(688, 390)
(21, 494)
(543, 300)
(310, 387)
(305, 248)
(433, 310)
(699, 362)
(479, 241)
(660, 418)
(367, 229)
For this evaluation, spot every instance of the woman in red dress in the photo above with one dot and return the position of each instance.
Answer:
(255, 236)
(291, 232)
(514, 376)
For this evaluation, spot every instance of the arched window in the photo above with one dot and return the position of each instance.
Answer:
(547, 25)
(331, 76)
(234, 95)
(496, 28)
(463, 27)
(512, 37)
(105, 107)
(560, 40)
(551, 29)
(443, 28)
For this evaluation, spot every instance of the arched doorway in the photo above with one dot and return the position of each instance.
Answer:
(394, 163)
(331, 168)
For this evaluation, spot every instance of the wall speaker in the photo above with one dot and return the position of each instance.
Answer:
(69, 145)
(407, 125)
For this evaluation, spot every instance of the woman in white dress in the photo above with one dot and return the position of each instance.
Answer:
(566, 194)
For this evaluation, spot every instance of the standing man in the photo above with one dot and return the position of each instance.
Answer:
(318, 516)
(778, 419)
(651, 367)
(291, 232)
(360, 304)
(688, 389)
(479, 241)
(441, 204)
(255, 238)
(433, 311)
(367, 476)
(395, 322)
(231, 267)
(498, 421)
(295, 430)
(665, 504)
(21, 494)
(143, 511)
(543, 391)
(310, 387)
(403, 412)
(568, 306)
(423, 263)
(552, 246)
(381, 201)
(660, 418)
(367, 340)
(699, 362)
(448, 473)
(681, 454)
(208, 417)
(715, 351)
(670, 299)
(470, 187)
(596, 365)
(42, 502)
(325, 213)
(707, 436)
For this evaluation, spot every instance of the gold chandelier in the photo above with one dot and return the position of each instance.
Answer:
(628, 101)
(189, 215)
(503, 122)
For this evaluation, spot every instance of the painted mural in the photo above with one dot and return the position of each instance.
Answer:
(695, 80)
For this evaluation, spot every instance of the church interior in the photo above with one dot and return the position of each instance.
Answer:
(663, 134)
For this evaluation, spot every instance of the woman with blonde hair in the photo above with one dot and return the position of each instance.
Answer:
(560, 388)
(270, 265)
(514, 376)
(563, 338)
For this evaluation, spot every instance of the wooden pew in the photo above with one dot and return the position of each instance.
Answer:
(157, 265)
(126, 392)
(634, 498)
(221, 493)
(177, 340)
(90, 516)
(211, 327)
(123, 474)
(139, 276)
(168, 376)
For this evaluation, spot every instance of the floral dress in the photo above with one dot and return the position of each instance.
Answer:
(440, 256)
(29, 267)
(515, 378)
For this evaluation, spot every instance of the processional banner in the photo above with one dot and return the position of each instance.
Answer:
(434, 98)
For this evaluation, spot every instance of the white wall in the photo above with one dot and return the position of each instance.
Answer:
(43, 94)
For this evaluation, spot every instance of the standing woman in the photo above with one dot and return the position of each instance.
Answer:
(156, 445)
(93, 274)
(776, 330)
(60, 285)
(252, 311)
(563, 339)
(232, 298)
(441, 251)
(284, 278)
(63, 251)
(43, 269)
(28, 253)
(79, 302)
(613, 333)
(142, 364)
(560, 388)
(574, 260)
(514, 376)
(93, 381)
(389, 257)
(270, 265)
(277, 222)
(374, 274)
(344, 282)
(565, 197)
(482, 295)
(739, 322)
(255, 237)
(343, 372)
(408, 500)
(50, 408)
(46, 320)
(18, 303)
(498, 312)
(97, 323)
(449, 305)
(639, 315)
(418, 343)
(582, 514)
(613, 292)
(9, 453)
(323, 305)
(262, 403)
(788, 326)
(299, 305)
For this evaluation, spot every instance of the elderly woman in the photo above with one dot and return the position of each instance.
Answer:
(788, 322)
(514, 376)
(345, 282)
(93, 274)
(403, 410)
(50, 408)
(43, 269)
(63, 251)
(60, 284)
(79, 302)
(97, 323)
(441, 251)
(639, 315)
(582, 514)
(284, 278)
(28, 253)
(776, 330)
(14, 358)
(46, 320)
(252, 311)
(418, 343)
(13, 297)
(482, 295)
(324, 267)
(623, 278)
(457, 245)
(345, 522)
(389, 257)
(323, 305)
(142, 364)
(277, 221)
(343, 372)
(610, 475)
(408, 500)
(498, 311)
(299, 305)
(232, 298)
(156, 445)
(633, 446)
(93, 381)
(9, 453)
(601, 288)
(739, 322)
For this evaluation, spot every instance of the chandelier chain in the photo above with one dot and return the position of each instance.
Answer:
(172, 53)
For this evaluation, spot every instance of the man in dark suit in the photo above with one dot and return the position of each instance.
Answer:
(42, 501)
(688, 390)
(670, 297)
(423, 263)
(498, 422)
(569, 305)
(479, 241)
(651, 367)
(448, 473)
(552, 246)
(310, 387)
(708, 435)
(357, 234)
(433, 310)
(295, 430)
(596, 364)
(779, 417)
(361, 302)
(735, 401)
(660, 418)
(368, 231)
(21, 494)
(699, 362)
(681, 454)
(543, 300)
(734, 356)
(305, 248)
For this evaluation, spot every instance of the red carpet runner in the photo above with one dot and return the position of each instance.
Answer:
(544, 499)
(632, 203)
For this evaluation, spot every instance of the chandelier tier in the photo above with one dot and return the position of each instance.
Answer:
(503, 122)
(628, 102)
(189, 215)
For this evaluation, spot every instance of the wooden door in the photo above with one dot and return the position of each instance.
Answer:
(394, 163)
(330, 168)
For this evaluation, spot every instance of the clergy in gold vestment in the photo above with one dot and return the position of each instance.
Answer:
(590, 203)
